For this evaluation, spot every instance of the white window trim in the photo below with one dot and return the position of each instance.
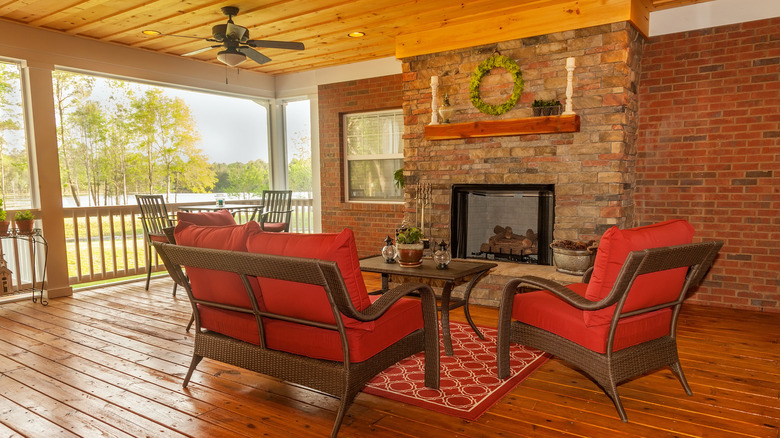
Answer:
(348, 158)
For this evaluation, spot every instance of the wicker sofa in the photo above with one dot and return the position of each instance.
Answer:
(294, 306)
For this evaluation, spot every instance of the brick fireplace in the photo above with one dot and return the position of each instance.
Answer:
(707, 149)
(591, 170)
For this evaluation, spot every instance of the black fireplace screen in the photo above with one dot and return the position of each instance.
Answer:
(511, 222)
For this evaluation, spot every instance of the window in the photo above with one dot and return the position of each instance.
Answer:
(15, 188)
(119, 137)
(297, 118)
(374, 151)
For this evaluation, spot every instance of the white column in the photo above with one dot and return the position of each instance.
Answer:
(45, 175)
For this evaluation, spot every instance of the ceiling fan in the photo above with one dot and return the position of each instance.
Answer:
(234, 39)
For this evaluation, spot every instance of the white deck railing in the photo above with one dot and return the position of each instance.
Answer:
(108, 242)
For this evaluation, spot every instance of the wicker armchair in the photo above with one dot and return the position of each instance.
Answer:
(628, 331)
(215, 310)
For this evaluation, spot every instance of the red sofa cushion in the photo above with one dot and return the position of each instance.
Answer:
(401, 319)
(544, 310)
(212, 218)
(655, 288)
(209, 284)
(309, 301)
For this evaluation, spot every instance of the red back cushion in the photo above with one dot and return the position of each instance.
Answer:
(218, 286)
(656, 288)
(213, 218)
(309, 301)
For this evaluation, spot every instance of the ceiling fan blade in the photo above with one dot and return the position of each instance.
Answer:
(289, 45)
(195, 52)
(254, 55)
(234, 31)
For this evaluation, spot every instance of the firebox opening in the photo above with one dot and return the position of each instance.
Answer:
(511, 222)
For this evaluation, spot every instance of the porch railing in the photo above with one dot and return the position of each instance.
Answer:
(106, 243)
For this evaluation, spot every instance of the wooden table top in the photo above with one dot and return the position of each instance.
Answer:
(457, 269)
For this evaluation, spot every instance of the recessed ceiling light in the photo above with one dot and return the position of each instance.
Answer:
(151, 32)
(357, 34)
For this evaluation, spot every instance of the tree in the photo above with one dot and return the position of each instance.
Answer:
(167, 137)
(246, 179)
(89, 122)
(14, 171)
(299, 172)
(70, 89)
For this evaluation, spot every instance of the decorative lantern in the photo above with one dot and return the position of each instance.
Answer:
(446, 111)
(442, 256)
(388, 251)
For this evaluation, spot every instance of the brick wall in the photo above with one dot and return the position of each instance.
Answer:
(709, 151)
(370, 222)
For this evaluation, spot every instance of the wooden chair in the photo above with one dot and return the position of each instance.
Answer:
(155, 219)
(276, 210)
(628, 331)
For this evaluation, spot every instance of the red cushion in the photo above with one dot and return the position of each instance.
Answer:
(274, 227)
(209, 284)
(544, 310)
(402, 318)
(309, 301)
(655, 288)
(158, 238)
(212, 218)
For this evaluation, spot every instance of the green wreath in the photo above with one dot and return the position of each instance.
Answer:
(483, 69)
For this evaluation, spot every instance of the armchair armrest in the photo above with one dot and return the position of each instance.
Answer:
(569, 296)
(380, 306)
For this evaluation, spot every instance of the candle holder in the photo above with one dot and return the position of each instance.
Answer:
(442, 256)
(388, 251)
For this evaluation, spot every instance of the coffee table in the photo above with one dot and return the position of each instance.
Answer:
(457, 272)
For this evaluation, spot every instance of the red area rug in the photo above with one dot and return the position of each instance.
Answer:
(469, 383)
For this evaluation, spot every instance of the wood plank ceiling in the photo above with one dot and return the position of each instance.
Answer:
(321, 25)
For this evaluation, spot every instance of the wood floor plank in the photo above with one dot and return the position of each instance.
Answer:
(110, 362)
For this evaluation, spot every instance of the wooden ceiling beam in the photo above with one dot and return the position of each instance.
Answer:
(524, 21)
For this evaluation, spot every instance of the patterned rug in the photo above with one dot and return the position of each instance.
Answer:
(469, 384)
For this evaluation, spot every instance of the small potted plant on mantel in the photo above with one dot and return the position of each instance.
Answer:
(543, 107)
(410, 247)
(573, 257)
(24, 220)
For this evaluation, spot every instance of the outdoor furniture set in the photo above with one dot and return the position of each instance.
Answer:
(295, 307)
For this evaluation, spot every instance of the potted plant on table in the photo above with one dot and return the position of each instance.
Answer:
(4, 223)
(410, 247)
(573, 257)
(24, 220)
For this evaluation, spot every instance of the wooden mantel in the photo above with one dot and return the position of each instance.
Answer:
(503, 128)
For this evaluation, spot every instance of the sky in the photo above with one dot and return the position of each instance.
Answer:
(231, 129)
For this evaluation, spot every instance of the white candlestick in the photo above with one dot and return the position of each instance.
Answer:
(569, 85)
(434, 100)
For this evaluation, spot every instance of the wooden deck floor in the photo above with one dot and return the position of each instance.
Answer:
(110, 362)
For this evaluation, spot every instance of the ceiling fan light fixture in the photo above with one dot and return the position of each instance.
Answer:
(356, 34)
(231, 57)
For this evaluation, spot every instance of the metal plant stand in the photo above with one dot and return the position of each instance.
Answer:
(34, 239)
